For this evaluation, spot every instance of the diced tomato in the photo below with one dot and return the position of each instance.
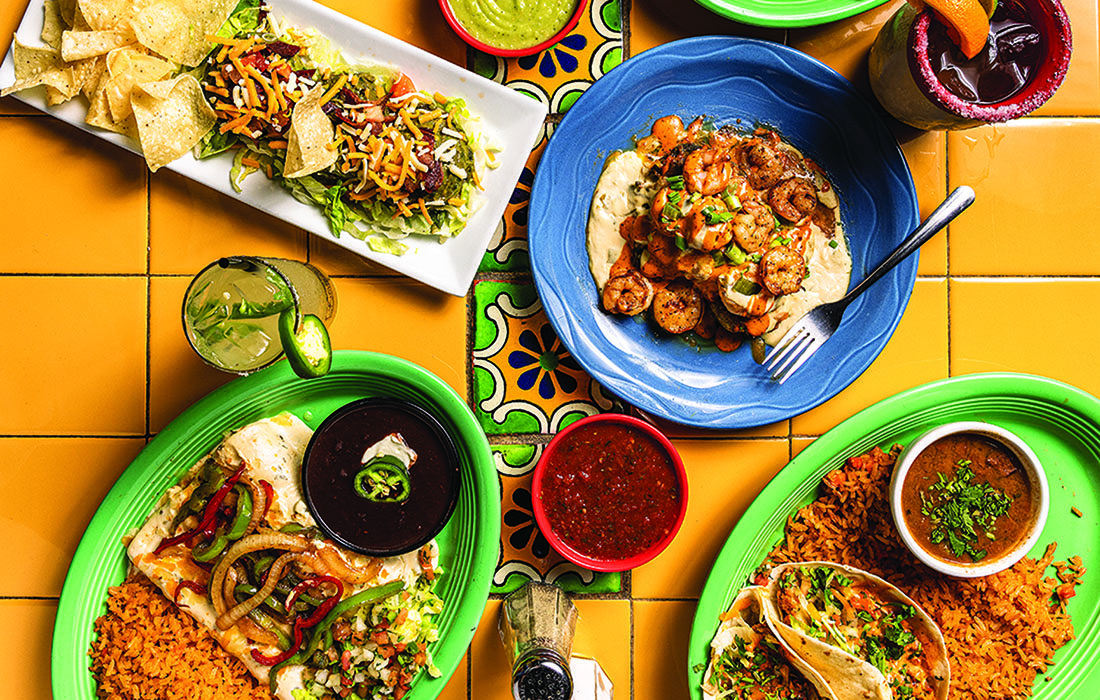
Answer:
(1065, 591)
(402, 86)
(861, 602)
(345, 659)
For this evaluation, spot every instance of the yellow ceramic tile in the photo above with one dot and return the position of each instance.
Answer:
(74, 359)
(723, 478)
(43, 527)
(993, 328)
(26, 628)
(656, 22)
(800, 443)
(418, 22)
(404, 318)
(457, 683)
(1036, 187)
(1080, 93)
(661, 633)
(177, 376)
(191, 225)
(916, 354)
(603, 633)
(73, 203)
(926, 154)
(844, 45)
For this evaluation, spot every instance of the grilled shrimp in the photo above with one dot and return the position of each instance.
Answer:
(752, 226)
(663, 136)
(629, 293)
(707, 224)
(782, 270)
(708, 171)
(825, 218)
(677, 307)
(761, 162)
(793, 198)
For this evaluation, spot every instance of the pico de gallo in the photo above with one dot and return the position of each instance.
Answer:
(389, 160)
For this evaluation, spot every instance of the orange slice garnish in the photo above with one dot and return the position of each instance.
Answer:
(967, 22)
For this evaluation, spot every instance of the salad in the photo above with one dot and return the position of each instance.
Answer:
(382, 159)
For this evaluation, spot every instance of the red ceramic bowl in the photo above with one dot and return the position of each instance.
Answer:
(609, 492)
(449, 15)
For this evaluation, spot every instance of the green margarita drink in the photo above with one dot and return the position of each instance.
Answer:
(231, 309)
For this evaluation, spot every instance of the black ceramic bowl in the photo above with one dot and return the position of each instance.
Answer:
(333, 459)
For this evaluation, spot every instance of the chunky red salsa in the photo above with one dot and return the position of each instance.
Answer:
(610, 491)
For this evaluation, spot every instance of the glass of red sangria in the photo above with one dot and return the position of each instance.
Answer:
(921, 76)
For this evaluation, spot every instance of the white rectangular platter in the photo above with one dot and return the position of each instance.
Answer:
(509, 120)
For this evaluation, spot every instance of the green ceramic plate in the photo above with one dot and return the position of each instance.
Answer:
(1061, 423)
(468, 545)
(788, 13)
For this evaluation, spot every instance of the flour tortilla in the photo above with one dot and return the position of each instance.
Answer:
(850, 677)
(745, 618)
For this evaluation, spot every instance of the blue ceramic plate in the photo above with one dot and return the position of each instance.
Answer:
(732, 81)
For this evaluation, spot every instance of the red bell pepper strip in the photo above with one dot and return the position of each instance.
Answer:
(301, 624)
(208, 517)
(309, 583)
(187, 585)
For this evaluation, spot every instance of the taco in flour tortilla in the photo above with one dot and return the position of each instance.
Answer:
(866, 638)
(747, 661)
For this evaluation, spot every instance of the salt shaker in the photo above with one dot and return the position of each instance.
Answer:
(536, 626)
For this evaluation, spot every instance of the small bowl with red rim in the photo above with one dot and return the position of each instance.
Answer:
(609, 492)
(512, 34)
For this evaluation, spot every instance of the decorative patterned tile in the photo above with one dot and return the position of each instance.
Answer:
(507, 250)
(524, 552)
(558, 75)
(524, 378)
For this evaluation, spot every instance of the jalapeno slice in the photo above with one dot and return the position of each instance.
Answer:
(383, 479)
(306, 344)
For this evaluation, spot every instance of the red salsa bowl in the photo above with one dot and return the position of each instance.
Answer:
(609, 492)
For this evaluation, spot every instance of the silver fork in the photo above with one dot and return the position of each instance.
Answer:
(808, 335)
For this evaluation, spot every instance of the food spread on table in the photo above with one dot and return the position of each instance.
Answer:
(381, 159)
(713, 232)
(716, 232)
(235, 546)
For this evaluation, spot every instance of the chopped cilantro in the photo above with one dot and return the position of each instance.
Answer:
(959, 508)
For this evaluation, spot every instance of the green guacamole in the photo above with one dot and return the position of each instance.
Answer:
(513, 24)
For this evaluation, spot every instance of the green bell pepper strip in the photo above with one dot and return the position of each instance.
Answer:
(364, 597)
(209, 550)
(243, 515)
(306, 344)
(383, 479)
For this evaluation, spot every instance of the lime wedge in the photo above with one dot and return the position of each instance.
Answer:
(307, 346)
(990, 6)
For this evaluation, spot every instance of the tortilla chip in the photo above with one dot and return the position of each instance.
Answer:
(172, 115)
(88, 73)
(104, 14)
(310, 136)
(67, 8)
(77, 45)
(128, 67)
(37, 65)
(99, 114)
(52, 24)
(177, 29)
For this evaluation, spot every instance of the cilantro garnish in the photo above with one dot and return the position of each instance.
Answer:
(959, 508)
